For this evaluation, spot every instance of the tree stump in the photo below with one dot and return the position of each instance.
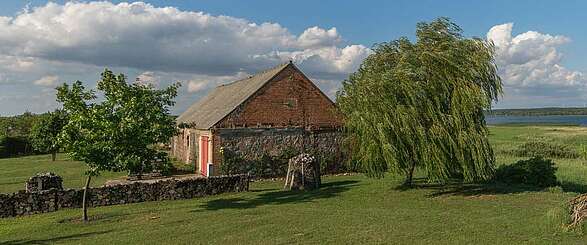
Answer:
(303, 173)
(578, 209)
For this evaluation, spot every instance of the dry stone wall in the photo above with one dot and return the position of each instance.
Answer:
(44, 181)
(254, 142)
(26, 203)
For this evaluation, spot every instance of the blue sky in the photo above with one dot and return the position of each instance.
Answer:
(540, 56)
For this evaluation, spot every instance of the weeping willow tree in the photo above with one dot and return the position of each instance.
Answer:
(419, 105)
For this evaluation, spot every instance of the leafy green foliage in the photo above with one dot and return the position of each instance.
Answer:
(544, 148)
(535, 171)
(118, 132)
(420, 105)
(583, 153)
(45, 132)
(19, 125)
(232, 162)
(14, 146)
(14, 132)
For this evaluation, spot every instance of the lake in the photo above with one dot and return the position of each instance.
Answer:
(566, 119)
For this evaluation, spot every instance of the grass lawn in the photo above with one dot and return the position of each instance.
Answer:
(14, 172)
(348, 209)
(571, 172)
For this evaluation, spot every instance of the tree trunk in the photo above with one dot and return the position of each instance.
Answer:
(85, 200)
(410, 175)
(53, 156)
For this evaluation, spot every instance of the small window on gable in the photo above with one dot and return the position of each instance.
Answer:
(291, 103)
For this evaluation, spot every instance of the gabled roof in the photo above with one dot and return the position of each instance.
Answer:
(223, 99)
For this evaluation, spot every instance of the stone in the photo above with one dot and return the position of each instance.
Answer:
(303, 173)
(42, 201)
(44, 181)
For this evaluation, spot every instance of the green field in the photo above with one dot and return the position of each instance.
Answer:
(15, 171)
(348, 209)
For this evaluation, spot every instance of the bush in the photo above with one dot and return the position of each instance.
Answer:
(536, 148)
(232, 162)
(161, 164)
(14, 146)
(535, 171)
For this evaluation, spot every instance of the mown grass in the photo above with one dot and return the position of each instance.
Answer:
(14, 172)
(347, 210)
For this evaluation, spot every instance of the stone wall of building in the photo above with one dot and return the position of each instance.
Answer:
(185, 145)
(26, 203)
(252, 143)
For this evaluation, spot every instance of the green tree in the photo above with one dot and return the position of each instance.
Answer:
(419, 105)
(45, 131)
(117, 132)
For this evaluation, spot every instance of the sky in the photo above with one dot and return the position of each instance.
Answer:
(540, 45)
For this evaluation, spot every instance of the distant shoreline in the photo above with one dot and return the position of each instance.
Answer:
(547, 111)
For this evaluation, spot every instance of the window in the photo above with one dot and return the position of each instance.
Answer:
(290, 103)
(188, 140)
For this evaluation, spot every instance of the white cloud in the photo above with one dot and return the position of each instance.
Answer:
(148, 77)
(198, 83)
(139, 35)
(47, 81)
(318, 37)
(532, 59)
(76, 40)
(196, 86)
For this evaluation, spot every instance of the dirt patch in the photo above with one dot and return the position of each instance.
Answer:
(482, 197)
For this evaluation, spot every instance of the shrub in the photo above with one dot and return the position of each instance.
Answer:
(583, 153)
(232, 162)
(161, 164)
(14, 146)
(545, 149)
(535, 171)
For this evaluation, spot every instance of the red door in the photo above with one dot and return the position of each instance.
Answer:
(204, 155)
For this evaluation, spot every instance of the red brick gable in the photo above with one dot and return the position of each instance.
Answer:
(290, 99)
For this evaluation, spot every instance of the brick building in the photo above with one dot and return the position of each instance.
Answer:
(265, 113)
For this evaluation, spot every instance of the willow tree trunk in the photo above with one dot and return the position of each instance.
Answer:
(85, 198)
(410, 175)
(53, 156)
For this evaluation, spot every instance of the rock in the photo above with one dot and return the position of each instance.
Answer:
(303, 173)
(44, 181)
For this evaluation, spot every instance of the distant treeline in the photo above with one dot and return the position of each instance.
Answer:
(549, 111)
(14, 134)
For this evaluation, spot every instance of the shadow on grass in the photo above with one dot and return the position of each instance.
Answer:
(55, 239)
(573, 187)
(327, 190)
(100, 218)
(455, 188)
